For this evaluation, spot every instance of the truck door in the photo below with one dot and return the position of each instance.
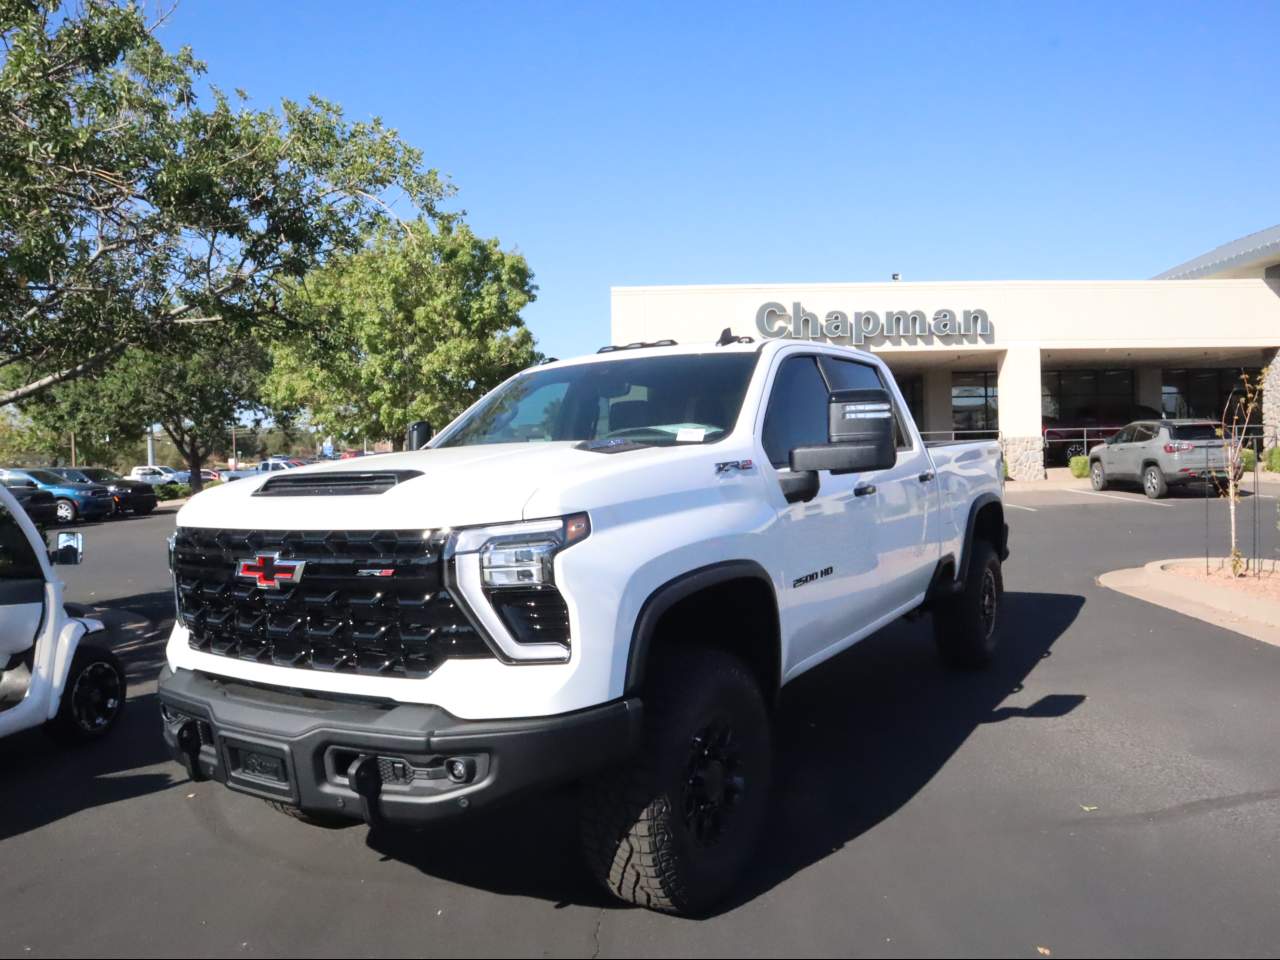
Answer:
(21, 587)
(827, 546)
(905, 499)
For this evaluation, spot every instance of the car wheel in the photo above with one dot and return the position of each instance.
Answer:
(93, 697)
(966, 626)
(67, 512)
(674, 829)
(1153, 482)
(1098, 475)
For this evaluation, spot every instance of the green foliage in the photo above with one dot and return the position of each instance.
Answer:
(172, 491)
(129, 210)
(416, 326)
(1273, 460)
(1248, 459)
(1079, 466)
(205, 377)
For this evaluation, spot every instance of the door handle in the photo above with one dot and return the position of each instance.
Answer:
(864, 489)
(926, 476)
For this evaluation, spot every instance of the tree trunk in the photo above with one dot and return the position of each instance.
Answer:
(195, 461)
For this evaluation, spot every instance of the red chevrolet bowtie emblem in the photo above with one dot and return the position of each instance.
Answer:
(269, 571)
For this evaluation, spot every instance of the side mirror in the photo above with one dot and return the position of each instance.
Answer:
(70, 549)
(416, 437)
(859, 432)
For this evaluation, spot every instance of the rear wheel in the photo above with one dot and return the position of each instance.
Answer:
(67, 512)
(1098, 475)
(93, 697)
(674, 829)
(1153, 482)
(966, 626)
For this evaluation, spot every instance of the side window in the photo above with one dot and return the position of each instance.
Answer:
(1125, 435)
(851, 375)
(797, 411)
(17, 559)
(1143, 432)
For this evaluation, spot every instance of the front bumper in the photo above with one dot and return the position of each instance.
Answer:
(378, 760)
(135, 500)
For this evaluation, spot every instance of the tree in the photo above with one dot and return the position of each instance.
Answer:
(128, 211)
(417, 326)
(206, 378)
(1237, 415)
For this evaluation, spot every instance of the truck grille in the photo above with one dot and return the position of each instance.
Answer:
(341, 611)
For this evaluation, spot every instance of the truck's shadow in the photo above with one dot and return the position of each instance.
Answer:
(858, 738)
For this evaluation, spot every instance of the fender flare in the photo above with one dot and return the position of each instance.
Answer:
(672, 592)
(68, 641)
(980, 502)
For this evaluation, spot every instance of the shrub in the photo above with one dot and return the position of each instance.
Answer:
(1273, 459)
(172, 491)
(1079, 466)
(1248, 458)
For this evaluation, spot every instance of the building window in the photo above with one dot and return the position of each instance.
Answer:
(1088, 398)
(912, 387)
(1203, 392)
(974, 410)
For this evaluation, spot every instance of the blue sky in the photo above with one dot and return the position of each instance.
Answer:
(694, 143)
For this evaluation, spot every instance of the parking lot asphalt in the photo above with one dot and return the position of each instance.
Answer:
(1111, 787)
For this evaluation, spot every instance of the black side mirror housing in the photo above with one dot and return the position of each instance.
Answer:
(416, 437)
(859, 432)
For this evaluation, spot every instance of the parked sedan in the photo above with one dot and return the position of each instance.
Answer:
(1160, 454)
(133, 496)
(74, 500)
(159, 474)
(39, 504)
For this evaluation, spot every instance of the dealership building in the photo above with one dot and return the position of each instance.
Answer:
(1028, 361)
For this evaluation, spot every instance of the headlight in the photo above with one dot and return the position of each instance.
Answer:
(508, 576)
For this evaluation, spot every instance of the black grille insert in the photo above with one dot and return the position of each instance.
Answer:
(343, 483)
(346, 613)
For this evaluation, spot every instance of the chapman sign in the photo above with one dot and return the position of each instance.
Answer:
(868, 326)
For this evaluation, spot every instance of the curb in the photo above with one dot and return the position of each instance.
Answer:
(1254, 617)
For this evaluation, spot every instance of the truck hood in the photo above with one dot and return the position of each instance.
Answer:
(457, 486)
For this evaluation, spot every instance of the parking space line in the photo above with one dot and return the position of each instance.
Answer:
(1018, 506)
(1111, 496)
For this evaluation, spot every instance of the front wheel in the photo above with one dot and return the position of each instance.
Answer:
(1098, 475)
(93, 697)
(1153, 482)
(67, 512)
(675, 828)
(966, 626)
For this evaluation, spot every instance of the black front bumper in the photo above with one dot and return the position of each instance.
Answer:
(377, 760)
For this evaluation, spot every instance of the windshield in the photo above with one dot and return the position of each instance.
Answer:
(76, 475)
(650, 400)
(100, 474)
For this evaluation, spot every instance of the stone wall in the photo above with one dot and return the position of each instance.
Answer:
(1025, 457)
(1271, 401)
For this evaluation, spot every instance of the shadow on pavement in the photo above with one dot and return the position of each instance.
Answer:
(858, 738)
(47, 781)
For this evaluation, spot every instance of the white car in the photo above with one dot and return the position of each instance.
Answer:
(159, 474)
(603, 571)
(51, 676)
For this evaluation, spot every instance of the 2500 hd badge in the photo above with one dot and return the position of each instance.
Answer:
(593, 589)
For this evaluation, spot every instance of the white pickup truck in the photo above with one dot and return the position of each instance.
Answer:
(603, 571)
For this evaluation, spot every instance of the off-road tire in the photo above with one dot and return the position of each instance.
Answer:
(646, 831)
(1098, 475)
(966, 626)
(93, 697)
(1153, 482)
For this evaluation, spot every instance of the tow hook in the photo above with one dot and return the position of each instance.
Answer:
(188, 735)
(366, 781)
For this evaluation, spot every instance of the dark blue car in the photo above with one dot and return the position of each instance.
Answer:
(75, 501)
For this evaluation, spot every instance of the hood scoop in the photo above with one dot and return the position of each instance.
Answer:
(340, 483)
